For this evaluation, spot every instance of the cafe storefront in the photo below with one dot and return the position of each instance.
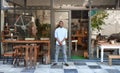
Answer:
(16, 18)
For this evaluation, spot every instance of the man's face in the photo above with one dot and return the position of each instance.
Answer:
(61, 24)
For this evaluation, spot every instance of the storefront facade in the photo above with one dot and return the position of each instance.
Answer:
(75, 14)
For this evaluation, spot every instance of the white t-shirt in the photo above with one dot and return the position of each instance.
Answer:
(61, 33)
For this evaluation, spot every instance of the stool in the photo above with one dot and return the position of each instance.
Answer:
(113, 57)
(33, 54)
(30, 54)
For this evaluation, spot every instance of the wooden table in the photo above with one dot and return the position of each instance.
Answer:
(30, 42)
(108, 46)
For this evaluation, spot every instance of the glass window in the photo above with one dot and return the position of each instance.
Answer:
(22, 22)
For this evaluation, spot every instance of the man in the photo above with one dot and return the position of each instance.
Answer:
(61, 36)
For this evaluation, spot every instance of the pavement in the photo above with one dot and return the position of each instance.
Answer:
(74, 67)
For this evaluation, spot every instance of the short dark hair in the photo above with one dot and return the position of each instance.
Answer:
(60, 21)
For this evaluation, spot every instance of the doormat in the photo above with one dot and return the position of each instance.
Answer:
(77, 57)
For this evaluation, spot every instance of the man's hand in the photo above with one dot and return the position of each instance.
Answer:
(60, 42)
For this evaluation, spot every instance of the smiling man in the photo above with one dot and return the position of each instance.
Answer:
(61, 36)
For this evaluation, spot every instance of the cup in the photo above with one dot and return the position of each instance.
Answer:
(112, 42)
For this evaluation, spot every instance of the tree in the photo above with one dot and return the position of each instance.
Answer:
(98, 19)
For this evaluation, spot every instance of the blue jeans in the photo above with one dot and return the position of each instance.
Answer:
(58, 47)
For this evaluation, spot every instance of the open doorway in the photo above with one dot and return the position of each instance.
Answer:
(79, 34)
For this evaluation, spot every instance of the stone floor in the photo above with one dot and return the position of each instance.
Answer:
(74, 67)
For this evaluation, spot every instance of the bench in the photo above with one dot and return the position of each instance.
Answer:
(113, 57)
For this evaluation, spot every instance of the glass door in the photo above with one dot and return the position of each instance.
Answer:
(79, 34)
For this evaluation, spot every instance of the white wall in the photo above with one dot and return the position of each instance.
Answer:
(112, 23)
(44, 16)
(61, 16)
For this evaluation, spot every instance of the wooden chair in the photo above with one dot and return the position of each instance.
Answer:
(8, 53)
(19, 55)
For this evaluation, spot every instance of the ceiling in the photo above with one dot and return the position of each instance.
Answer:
(66, 3)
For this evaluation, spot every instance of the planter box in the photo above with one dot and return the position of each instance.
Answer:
(44, 38)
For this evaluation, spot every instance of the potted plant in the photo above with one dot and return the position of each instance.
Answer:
(43, 30)
(97, 21)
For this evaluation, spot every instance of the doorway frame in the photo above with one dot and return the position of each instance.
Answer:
(69, 32)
